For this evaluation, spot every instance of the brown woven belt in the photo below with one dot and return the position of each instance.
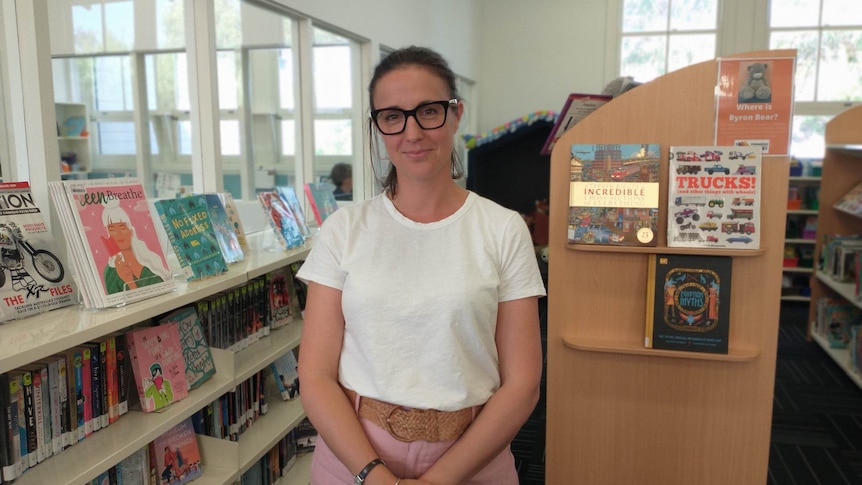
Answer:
(410, 424)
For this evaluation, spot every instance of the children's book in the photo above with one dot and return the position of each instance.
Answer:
(224, 231)
(281, 220)
(288, 196)
(111, 236)
(688, 302)
(286, 375)
(714, 197)
(178, 458)
(321, 199)
(614, 194)
(158, 367)
(33, 276)
(189, 228)
(576, 108)
(851, 202)
(196, 352)
(233, 216)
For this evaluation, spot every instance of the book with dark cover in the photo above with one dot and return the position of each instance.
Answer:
(688, 302)
(614, 194)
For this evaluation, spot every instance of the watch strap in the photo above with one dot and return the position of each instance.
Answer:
(359, 478)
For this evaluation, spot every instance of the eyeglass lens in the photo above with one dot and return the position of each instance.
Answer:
(429, 116)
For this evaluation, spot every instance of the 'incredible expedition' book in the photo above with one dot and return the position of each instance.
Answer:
(614, 194)
(33, 278)
(688, 302)
(191, 233)
(714, 197)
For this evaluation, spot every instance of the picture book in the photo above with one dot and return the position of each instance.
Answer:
(178, 458)
(688, 302)
(281, 220)
(576, 108)
(851, 202)
(282, 301)
(224, 231)
(189, 229)
(111, 236)
(288, 196)
(33, 276)
(714, 197)
(233, 216)
(286, 376)
(196, 351)
(158, 367)
(321, 199)
(614, 194)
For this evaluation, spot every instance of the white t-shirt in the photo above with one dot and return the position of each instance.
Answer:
(420, 300)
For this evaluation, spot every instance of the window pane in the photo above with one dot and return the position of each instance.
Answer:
(645, 15)
(840, 67)
(807, 137)
(170, 24)
(184, 135)
(332, 78)
(333, 137)
(686, 50)
(228, 29)
(793, 13)
(285, 79)
(113, 84)
(182, 74)
(116, 137)
(693, 15)
(842, 12)
(288, 138)
(227, 80)
(643, 58)
(119, 26)
(87, 27)
(805, 43)
(229, 137)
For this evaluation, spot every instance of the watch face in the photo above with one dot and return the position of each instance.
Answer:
(645, 235)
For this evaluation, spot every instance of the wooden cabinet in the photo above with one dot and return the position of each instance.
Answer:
(616, 411)
(842, 170)
(24, 341)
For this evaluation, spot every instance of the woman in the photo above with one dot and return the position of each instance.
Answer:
(131, 264)
(421, 308)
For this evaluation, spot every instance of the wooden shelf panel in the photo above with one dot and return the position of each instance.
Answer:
(589, 345)
(795, 298)
(666, 250)
(840, 356)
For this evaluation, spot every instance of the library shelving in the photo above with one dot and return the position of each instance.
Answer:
(27, 340)
(72, 125)
(800, 236)
(842, 170)
(668, 416)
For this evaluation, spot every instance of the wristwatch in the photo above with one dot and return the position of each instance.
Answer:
(359, 478)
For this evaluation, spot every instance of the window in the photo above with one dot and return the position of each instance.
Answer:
(660, 36)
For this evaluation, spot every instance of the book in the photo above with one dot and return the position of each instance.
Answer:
(134, 469)
(196, 352)
(178, 458)
(614, 194)
(8, 460)
(688, 302)
(224, 230)
(286, 376)
(288, 196)
(33, 276)
(576, 108)
(281, 220)
(321, 199)
(159, 371)
(192, 236)
(111, 236)
(233, 217)
(851, 202)
(714, 197)
(282, 301)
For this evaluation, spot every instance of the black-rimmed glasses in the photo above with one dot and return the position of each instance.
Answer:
(429, 116)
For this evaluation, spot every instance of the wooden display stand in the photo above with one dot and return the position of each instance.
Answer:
(616, 411)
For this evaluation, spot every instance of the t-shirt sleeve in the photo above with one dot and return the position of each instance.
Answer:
(323, 263)
(520, 276)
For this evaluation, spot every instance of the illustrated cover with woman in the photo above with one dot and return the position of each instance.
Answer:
(112, 235)
(158, 365)
(178, 457)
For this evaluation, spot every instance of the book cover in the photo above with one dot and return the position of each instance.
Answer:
(156, 357)
(688, 302)
(189, 228)
(286, 376)
(714, 197)
(33, 276)
(134, 468)
(178, 458)
(196, 351)
(614, 194)
(16, 394)
(112, 237)
(576, 108)
(288, 196)
(281, 220)
(321, 199)
(851, 202)
(225, 234)
(283, 305)
(233, 216)
(7, 451)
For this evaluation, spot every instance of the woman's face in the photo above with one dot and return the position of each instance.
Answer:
(417, 154)
(121, 233)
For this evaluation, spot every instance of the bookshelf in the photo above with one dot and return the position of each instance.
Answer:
(842, 170)
(668, 417)
(26, 340)
(802, 206)
(70, 137)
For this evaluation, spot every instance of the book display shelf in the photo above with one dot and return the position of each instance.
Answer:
(842, 170)
(73, 137)
(666, 416)
(26, 340)
(800, 235)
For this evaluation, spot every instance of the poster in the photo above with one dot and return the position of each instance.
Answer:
(755, 103)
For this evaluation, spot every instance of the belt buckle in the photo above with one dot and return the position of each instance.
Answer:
(427, 431)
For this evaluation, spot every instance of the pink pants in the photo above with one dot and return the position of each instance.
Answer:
(406, 460)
